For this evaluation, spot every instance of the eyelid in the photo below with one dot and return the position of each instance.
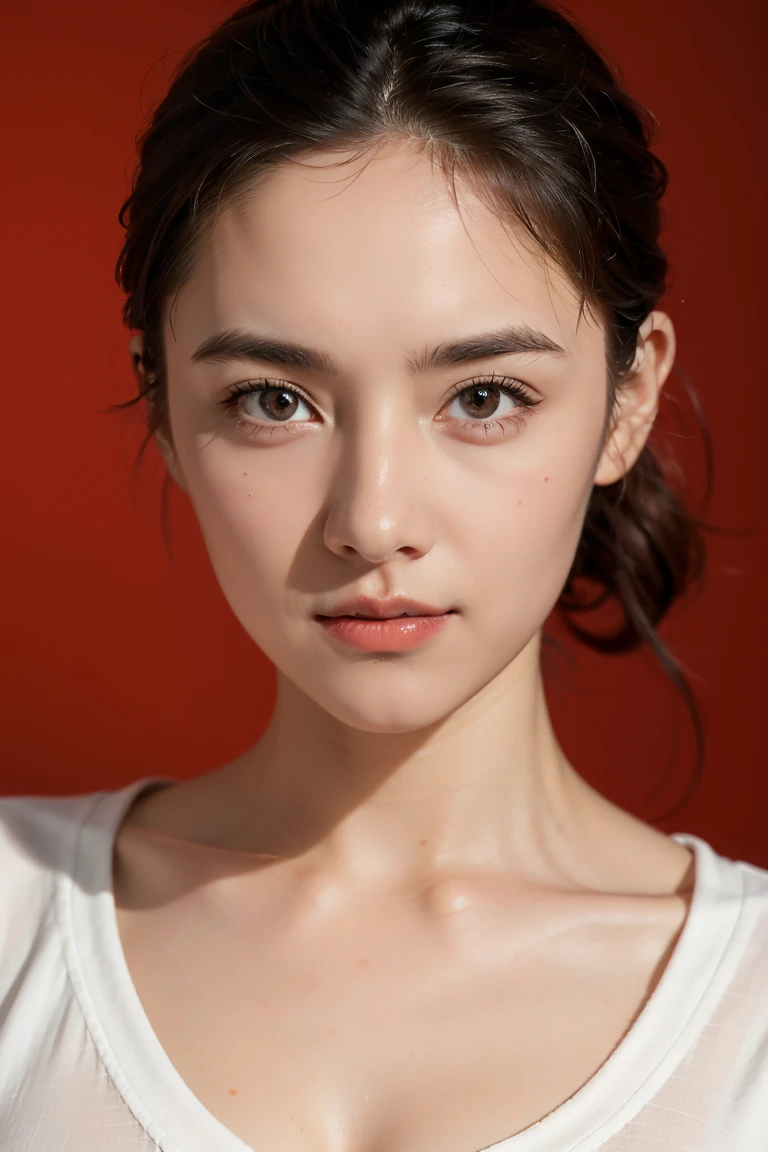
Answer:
(243, 387)
(509, 384)
(262, 384)
(499, 379)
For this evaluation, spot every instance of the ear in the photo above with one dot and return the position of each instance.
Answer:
(637, 401)
(163, 441)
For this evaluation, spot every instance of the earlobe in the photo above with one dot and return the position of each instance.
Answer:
(638, 397)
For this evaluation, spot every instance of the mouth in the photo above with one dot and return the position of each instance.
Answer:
(395, 608)
(381, 627)
(399, 616)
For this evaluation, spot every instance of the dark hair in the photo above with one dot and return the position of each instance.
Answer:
(508, 95)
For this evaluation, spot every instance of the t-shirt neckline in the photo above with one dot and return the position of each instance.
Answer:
(179, 1122)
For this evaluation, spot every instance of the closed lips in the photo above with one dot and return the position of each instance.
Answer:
(365, 609)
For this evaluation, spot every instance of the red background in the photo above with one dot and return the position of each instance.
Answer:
(119, 664)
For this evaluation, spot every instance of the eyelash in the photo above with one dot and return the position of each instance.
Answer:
(505, 384)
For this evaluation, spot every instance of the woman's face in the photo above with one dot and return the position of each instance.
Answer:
(378, 466)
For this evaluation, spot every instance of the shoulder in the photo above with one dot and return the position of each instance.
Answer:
(726, 879)
(735, 929)
(754, 917)
(748, 882)
(38, 840)
(38, 843)
(38, 833)
(49, 845)
(755, 881)
(730, 1059)
(42, 839)
(723, 950)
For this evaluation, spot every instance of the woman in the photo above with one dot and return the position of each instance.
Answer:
(393, 273)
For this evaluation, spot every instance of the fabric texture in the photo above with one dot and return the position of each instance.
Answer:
(81, 1069)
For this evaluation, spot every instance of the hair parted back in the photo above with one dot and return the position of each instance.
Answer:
(505, 95)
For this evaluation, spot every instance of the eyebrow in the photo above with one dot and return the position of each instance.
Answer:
(239, 344)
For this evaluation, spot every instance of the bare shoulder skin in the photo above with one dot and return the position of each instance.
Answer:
(403, 895)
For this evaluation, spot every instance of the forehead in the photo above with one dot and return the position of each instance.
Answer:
(371, 252)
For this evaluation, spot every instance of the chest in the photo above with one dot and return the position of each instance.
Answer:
(382, 1029)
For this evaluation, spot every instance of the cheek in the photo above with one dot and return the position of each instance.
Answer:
(518, 529)
(253, 517)
(522, 557)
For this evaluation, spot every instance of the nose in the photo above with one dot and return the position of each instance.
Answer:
(377, 503)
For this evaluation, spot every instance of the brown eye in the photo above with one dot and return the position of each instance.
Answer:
(486, 400)
(278, 403)
(480, 400)
(275, 405)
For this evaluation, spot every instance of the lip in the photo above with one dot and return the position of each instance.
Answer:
(384, 609)
(385, 634)
(372, 625)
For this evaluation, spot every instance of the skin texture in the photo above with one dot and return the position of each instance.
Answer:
(368, 908)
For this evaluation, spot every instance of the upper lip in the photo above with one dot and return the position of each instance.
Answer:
(383, 609)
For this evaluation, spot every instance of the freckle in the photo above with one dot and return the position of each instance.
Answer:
(233, 1091)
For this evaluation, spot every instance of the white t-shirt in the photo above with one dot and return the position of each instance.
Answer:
(81, 1069)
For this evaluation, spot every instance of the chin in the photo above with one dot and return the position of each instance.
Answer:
(384, 699)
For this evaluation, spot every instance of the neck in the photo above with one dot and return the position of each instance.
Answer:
(487, 788)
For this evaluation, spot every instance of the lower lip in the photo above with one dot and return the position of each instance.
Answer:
(394, 635)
